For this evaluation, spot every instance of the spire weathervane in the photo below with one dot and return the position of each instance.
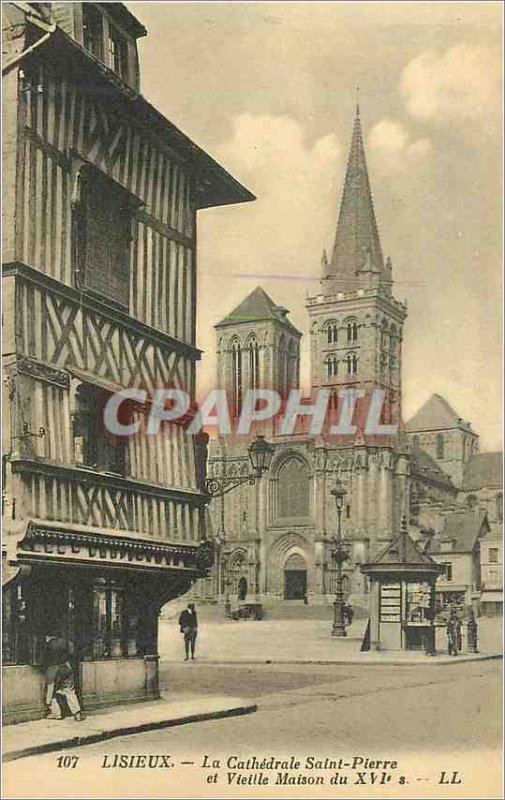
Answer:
(357, 101)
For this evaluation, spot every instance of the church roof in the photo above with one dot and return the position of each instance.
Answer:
(435, 414)
(357, 245)
(256, 307)
(483, 470)
(424, 466)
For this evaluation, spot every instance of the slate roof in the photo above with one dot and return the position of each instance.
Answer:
(424, 466)
(436, 414)
(402, 549)
(463, 528)
(256, 307)
(483, 470)
(357, 245)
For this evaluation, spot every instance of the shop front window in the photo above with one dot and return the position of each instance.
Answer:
(12, 609)
(107, 639)
(115, 622)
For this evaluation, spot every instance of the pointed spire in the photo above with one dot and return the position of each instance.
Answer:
(357, 246)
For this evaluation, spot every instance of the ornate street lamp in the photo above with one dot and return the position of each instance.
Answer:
(260, 456)
(340, 553)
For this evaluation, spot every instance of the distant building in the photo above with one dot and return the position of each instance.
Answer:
(437, 429)
(448, 472)
(482, 490)
(458, 547)
(274, 540)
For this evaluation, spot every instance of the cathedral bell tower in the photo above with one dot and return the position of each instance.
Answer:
(356, 324)
(257, 347)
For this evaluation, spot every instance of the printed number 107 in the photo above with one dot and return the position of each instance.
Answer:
(67, 762)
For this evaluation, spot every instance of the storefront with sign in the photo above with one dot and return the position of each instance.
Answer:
(402, 596)
(103, 594)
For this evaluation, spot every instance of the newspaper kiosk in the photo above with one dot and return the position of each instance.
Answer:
(402, 596)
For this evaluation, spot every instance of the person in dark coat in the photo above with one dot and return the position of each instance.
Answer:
(453, 634)
(59, 675)
(188, 623)
(347, 614)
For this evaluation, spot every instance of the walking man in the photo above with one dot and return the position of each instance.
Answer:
(188, 623)
(60, 680)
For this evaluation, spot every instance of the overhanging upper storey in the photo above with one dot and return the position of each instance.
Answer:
(79, 43)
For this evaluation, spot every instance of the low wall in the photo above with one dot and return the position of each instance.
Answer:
(107, 682)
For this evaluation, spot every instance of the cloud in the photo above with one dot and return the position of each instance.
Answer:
(392, 148)
(296, 187)
(461, 84)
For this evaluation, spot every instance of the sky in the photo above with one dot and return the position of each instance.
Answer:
(269, 90)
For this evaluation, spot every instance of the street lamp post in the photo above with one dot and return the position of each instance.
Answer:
(260, 455)
(340, 553)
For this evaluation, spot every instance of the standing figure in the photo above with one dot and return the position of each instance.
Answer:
(188, 623)
(60, 682)
(471, 633)
(453, 634)
(347, 614)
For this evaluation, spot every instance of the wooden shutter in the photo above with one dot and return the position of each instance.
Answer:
(108, 239)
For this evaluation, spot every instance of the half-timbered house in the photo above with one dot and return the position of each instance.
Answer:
(101, 194)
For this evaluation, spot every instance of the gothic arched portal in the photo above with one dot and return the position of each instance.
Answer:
(295, 577)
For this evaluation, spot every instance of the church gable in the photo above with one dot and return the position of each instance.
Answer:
(435, 414)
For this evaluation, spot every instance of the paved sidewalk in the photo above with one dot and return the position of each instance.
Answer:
(306, 641)
(43, 736)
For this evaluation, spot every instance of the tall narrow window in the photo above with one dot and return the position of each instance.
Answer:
(331, 364)
(102, 233)
(499, 507)
(236, 372)
(293, 489)
(291, 365)
(332, 333)
(354, 332)
(439, 444)
(94, 446)
(118, 52)
(354, 365)
(349, 332)
(92, 30)
(283, 366)
(254, 369)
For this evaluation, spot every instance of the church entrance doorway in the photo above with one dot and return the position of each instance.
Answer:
(295, 578)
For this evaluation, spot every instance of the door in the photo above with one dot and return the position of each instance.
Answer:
(295, 584)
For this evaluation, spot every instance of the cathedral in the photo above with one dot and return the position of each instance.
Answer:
(274, 539)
